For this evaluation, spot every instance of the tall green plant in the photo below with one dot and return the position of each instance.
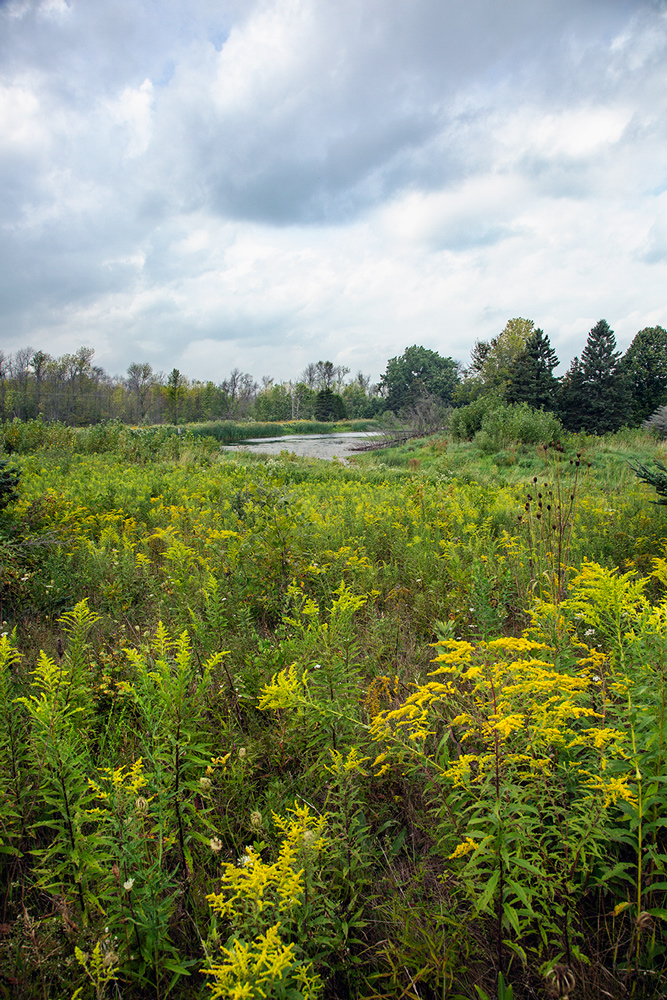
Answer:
(151, 814)
(14, 767)
(58, 708)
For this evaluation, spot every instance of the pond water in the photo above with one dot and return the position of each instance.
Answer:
(326, 446)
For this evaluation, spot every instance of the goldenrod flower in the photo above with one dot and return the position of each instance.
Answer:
(464, 848)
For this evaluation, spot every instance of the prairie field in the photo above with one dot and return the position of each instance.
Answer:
(277, 727)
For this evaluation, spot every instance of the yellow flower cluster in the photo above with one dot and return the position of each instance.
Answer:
(508, 709)
(250, 971)
(125, 779)
(254, 891)
(256, 885)
(350, 764)
(286, 689)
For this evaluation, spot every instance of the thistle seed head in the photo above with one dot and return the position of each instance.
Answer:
(561, 981)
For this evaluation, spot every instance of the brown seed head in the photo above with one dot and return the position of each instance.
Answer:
(561, 981)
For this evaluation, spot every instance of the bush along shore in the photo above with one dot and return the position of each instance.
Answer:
(283, 728)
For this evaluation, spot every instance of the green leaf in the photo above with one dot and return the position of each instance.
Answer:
(489, 892)
(398, 843)
(520, 893)
(513, 917)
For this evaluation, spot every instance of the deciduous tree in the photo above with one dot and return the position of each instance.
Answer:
(491, 361)
(140, 380)
(416, 373)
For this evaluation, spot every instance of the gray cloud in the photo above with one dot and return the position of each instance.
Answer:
(225, 174)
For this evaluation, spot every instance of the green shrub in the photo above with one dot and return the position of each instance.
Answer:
(9, 481)
(24, 436)
(467, 420)
(516, 424)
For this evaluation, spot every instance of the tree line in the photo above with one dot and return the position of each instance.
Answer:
(602, 390)
(73, 390)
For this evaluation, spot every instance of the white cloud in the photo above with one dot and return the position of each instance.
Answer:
(21, 126)
(260, 184)
(133, 109)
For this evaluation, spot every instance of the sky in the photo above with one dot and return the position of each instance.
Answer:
(260, 184)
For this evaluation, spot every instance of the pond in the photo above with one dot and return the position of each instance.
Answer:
(326, 446)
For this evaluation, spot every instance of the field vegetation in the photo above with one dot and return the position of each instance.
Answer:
(282, 728)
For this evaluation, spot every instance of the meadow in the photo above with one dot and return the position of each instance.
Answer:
(283, 728)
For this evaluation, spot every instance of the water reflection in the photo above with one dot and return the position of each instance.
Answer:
(325, 446)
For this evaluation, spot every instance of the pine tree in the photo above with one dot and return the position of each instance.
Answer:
(531, 378)
(329, 405)
(658, 480)
(571, 408)
(645, 367)
(594, 395)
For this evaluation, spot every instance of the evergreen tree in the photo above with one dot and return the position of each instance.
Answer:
(658, 480)
(594, 395)
(645, 367)
(329, 405)
(531, 378)
(570, 397)
(503, 352)
(491, 362)
(175, 391)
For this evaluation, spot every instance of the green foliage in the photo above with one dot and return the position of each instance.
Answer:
(503, 352)
(493, 363)
(59, 715)
(14, 767)
(516, 424)
(530, 375)
(418, 372)
(657, 478)
(594, 394)
(9, 484)
(645, 368)
(275, 403)
(329, 406)
(205, 647)
(495, 425)
(466, 421)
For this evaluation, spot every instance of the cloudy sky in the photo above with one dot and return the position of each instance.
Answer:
(262, 183)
